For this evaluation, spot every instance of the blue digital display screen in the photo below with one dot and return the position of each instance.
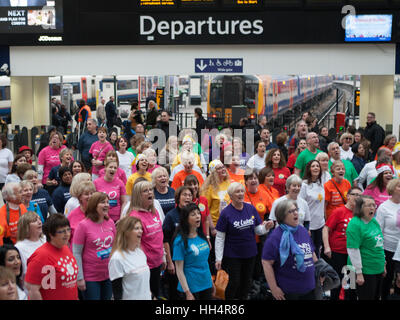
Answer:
(369, 28)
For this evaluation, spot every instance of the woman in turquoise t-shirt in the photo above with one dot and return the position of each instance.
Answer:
(190, 254)
(365, 249)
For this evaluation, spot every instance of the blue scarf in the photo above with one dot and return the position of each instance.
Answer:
(289, 246)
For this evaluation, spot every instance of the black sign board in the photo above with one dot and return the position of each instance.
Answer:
(181, 22)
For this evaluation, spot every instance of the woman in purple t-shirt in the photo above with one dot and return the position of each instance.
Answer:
(91, 246)
(235, 243)
(288, 257)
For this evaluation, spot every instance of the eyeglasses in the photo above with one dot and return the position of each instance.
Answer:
(348, 138)
(293, 211)
(64, 231)
(372, 205)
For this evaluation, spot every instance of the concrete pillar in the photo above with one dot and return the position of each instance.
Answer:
(377, 95)
(30, 101)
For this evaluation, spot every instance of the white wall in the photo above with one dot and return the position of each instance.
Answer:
(371, 59)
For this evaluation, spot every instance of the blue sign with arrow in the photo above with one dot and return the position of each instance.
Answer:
(218, 65)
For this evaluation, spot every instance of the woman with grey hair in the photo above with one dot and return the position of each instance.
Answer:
(288, 256)
(293, 187)
(235, 243)
(365, 249)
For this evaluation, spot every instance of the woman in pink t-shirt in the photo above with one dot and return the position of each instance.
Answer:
(83, 193)
(98, 150)
(91, 246)
(49, 156)
(142, 207)
(112, 156)
(377, 188)
(114, 188)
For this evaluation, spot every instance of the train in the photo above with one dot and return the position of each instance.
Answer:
(230, 97)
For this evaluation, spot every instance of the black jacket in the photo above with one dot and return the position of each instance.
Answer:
(151, 118)
(201, 123)
(375, 134)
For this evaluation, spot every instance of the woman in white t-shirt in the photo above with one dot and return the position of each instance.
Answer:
(6, 160)
(388, 216)
(128, 269)
(29, 238)
(258, 160)
(125, 158)
(293, 186)
(313, 192)
(323, 159)
(346, 140)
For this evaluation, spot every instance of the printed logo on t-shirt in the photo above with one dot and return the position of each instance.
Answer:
(379, 241)
(260, 207)
(244, 224)
(320, 197)
(69, 272)
(1, 231)
(281, 176)
(202, 207)
(195, 250)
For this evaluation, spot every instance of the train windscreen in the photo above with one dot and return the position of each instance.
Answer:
(232, 94)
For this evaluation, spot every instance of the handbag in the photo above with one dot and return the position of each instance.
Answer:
(221, 282)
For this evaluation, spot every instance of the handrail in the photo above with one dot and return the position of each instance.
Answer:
(329, 110)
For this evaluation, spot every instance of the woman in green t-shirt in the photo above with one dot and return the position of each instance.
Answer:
(365, 249)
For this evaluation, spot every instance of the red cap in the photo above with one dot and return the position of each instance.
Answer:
(23, 148)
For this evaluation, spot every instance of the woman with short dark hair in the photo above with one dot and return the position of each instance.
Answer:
(365, 249)
(56, 257)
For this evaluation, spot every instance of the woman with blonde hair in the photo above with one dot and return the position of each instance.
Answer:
(29, 237)
(26, 197)
(73, 202)
(169, 152)
(128, 269)
(83, 192)
(346, 140)
(142, 207)
(215, 189)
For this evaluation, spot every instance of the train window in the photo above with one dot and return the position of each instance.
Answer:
(76, 88)
(127, 84)
(84, 86)
(250, 94)
(55, 89)
(7, 93)
(216, 94)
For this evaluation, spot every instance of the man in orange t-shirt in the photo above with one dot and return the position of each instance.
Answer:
(188, 160)
(11, 212)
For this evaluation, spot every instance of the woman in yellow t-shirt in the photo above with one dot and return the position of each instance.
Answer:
(215, 190)
(142, 165)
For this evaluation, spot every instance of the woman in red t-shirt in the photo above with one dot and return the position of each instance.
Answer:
(276, 160)
(334, 235)
(302, 145)
(52, 269)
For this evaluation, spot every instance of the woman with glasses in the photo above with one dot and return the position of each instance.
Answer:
(334, 235)
(288, 257)
(57, 258)
(91, 245)
(365, 249)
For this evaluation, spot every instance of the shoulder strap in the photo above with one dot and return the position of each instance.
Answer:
(344, 201)
(8, 213)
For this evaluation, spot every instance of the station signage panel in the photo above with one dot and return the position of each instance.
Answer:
(32, 16)
(218, 65)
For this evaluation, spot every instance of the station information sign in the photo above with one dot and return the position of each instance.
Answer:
(34, 16)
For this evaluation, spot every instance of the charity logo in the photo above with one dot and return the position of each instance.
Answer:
(202, 207)
(195, 250)
(68, 268)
